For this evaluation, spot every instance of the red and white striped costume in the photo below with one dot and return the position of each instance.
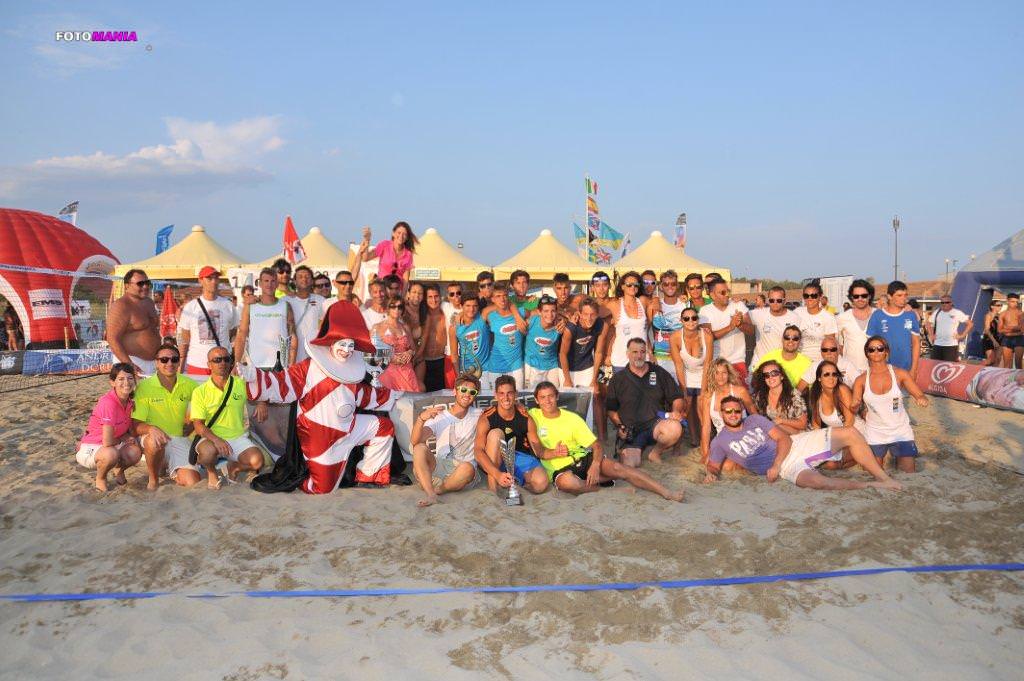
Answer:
(327, 425)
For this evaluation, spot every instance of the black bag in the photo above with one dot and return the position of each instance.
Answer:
(193, 455)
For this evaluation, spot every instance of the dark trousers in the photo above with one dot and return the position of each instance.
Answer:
(433, 377)
(946, 353)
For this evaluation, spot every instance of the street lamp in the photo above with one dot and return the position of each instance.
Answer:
(895, 246)
(947, 272)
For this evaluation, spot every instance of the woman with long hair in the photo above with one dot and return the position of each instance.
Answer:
(690, 348)
(777, 399)
(415, 318)
(830, 400)
(629, 318)
(394, 255)
(720, 380)
(400, 374)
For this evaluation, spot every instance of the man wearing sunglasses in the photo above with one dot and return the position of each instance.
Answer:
(852, 324)
(663, 311)
(484, 287)
(830, 353)
(452, 466)
(206, 321)
(161, 420)
(946, 323)
(728, 323)
(789, 357)
(816, 323)
(344, 284)
(768, 323)
(284, 275)
(693, 289)
(761, 447)
(133, 324)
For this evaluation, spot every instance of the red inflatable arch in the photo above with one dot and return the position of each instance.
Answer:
(42, 301)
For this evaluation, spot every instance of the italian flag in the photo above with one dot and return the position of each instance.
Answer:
(591, 187)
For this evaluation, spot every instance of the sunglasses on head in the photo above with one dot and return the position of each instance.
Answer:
(165, 360)
(776, 300)
(875, 348)
(791, 338)
(812, 296)
(226, 359)
(472, 392)
(859, 296)
(772, 373)
(143, 284)
(599, 279)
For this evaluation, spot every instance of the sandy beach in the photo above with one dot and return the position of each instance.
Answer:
(61, 536)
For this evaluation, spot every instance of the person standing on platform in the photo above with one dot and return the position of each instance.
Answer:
(395, 255)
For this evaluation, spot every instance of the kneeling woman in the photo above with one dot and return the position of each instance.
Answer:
(562, 443)
(108, 444)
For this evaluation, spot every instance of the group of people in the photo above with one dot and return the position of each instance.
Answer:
(662, 358)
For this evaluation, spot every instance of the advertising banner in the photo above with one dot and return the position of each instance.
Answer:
(987, 386)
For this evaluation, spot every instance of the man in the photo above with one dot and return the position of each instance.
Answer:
(760, 301)
(322, 286)
(161, 419)
(484, 287)
(663, 311)
(541, 350)
(344, 283)
(267, 327)
(227, 437)
(946, 323)
(452, 305)
(728, 322)
(470, 339)
(830, 353)
(899, 326)
(505, 421)
(600, 288)
(582, 349)
(566, 304)
(1011, 328)
(308, 310)
(376, 309)
(768, 323)
(435, 339)
(207, 321)
(572, 455)
(759, 446)
(283, 270)
(508, 329)
(133, 324)
(520, 283)
(792, 361)
(852, 324)
(646, 406)
(649, 284)
(693, 287)
(816, 323)
(454, 430)
(394, 286)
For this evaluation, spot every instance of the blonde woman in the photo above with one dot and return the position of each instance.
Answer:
(721, 380)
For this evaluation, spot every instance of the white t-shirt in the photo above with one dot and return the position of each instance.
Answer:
(852, 335)
(268, 333)
(813, 329)
(768, 330)
(372, 317)
(455, 437)
(946, 325)
(733, 345)
(307, 313)
(849, 370)
(200, 339)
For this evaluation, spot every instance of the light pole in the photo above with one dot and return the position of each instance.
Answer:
(946, 280)
(895, 246)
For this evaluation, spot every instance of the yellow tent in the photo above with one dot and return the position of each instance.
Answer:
(184, 259)
(544, 258)
(321, 253)
(436, 260)
(659, 254)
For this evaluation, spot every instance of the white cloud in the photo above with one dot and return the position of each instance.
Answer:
(203, 157)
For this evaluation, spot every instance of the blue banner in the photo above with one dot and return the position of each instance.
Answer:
(163, 239)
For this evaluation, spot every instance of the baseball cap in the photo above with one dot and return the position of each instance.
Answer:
(207, 272)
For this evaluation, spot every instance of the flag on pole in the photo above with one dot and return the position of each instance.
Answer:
(625, 247)
(681, 231)
(591, 187)
(69, 213)
(293, 251)
(169, 314)
(580, 235)
(163, 239)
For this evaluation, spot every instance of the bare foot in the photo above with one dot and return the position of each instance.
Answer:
(655, 457)
(120, 479)
(231, 471)
(152, 484)
(890, 485)
(428, 500)
(101, 483)
(675, 496)
(213, 482)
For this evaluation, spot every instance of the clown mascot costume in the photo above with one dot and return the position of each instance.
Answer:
(328, 387)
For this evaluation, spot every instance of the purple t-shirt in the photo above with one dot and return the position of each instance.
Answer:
(388, 264)
(750, 446)
(108, 412)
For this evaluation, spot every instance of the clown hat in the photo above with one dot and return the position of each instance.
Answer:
(344, 320)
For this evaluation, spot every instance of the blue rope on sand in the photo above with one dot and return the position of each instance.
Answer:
(614, 586)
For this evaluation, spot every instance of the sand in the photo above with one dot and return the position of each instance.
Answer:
(61, 536)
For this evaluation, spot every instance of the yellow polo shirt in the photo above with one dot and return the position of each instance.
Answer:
(157, 406)
(231, 422)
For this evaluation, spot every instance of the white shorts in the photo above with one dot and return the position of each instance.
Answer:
(489, 377)
(148, 366)
(175, 454)
(809, 450)
(582, 378)
(238, 445)
(86, 454)
(534, 376)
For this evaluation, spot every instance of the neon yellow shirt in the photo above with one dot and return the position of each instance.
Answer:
(231, 422)
(794, 368)
(568, 429)
(157, 406)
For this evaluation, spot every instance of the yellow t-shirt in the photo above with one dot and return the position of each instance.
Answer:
(568, 429)
(165, 410)
(231, 422)
(794, 368)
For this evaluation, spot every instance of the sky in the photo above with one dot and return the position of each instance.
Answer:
(789, 132)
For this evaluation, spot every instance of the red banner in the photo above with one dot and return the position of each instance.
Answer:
(988, 386)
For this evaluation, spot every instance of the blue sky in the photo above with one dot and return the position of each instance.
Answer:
(790, 132)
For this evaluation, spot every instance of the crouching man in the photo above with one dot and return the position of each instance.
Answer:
(506, 420)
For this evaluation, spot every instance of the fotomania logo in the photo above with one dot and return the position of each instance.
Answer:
(945, 372)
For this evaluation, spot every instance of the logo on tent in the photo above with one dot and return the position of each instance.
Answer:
(47, 303)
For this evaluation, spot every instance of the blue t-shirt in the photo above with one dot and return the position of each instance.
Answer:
(542, 345)
(474, 341)
(897, 330)
(750, 446)
(507, 348)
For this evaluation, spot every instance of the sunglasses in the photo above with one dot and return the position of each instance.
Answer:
(859, 296)
(947, 302)
(776, 300)
(397, 306)
(830, 349)
(829, 374)
(165, 360)
(694, 287)
(343, 282)
(772, 374)
(222, 360)
(452, 294)
(649, 282)
(326, 284)
(875, 348)
(670, 284)
(812, 296)
(143, 284)
(631, 284)
(472, 392)
(485, 284)
(791, 338)
(732, 411)
(284, 271)
(690, 318)
(596, 280)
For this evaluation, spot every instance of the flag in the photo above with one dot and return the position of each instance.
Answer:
(163, 239)
(169, 314)
(591, 187)
(625, 247)
(293, 251)
(580, 235)
(610, 237)
(69, 213)
(681, 231)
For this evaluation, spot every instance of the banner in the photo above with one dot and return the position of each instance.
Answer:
(292, 251)
(47, 303)
(69, 213)
(681, 231)
(37, 362)
(163, 239)
(11, 363)
(987, 386)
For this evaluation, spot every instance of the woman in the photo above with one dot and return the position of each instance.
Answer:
(886, 420)
(990, 336)
(830, 401)
(394, 256)
(415, 318)
(108, 444)
(15, 335)
(777, 399)
(629, 318)
(720, 379)
(400, 374)
(690, 349)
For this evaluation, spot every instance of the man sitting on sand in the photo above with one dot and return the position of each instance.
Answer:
(223, 397)
(454, 429)
(572, 454)
(506, 420)
(761, 447)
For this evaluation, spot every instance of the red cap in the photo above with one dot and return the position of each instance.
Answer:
(344, 320)
(208, 271)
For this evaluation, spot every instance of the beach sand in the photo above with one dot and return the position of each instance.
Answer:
(61, 536)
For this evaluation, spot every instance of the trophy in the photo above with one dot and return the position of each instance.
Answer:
(379, 360)
(508, 455)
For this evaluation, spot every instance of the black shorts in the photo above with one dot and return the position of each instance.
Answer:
(946, 353)
(579, 467)
(433, 377)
